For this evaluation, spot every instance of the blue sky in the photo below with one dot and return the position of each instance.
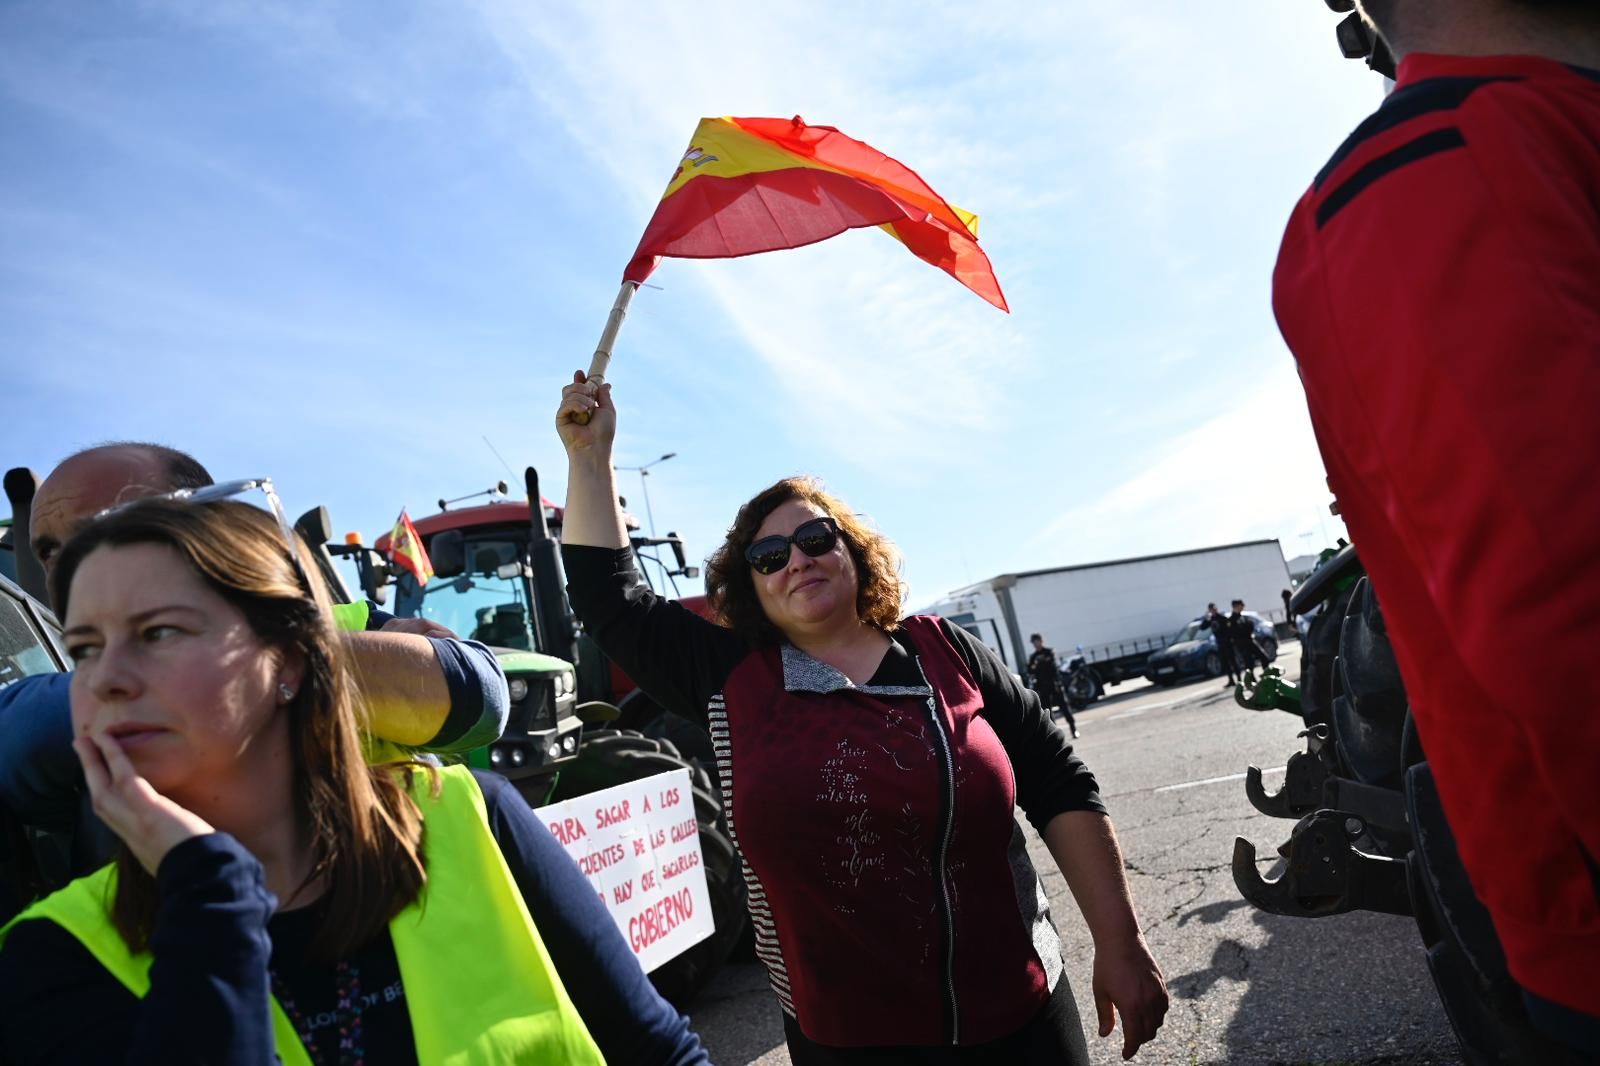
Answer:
(343, 243)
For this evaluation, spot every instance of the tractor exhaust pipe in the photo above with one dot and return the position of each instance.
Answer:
(20, 484)
(558, 630)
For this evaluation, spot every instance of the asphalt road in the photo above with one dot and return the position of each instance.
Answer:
(1247, 987)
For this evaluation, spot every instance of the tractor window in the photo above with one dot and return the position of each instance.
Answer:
(491, 609)
(489, 601)
(21, 650)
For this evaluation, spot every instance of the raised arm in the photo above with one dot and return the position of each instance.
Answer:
(592, 516)
(677, 657)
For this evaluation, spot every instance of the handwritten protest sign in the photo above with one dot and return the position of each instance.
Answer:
(639, 845)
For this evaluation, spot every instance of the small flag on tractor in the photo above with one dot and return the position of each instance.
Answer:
(750, 185)
(405, 549)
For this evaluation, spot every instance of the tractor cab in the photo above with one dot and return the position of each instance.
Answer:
(482, 587)
(497, 578)
(486, 580)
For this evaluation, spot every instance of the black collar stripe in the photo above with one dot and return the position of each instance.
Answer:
(1403, 105)
(1412, 151)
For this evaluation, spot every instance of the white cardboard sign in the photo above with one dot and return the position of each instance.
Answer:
(639, 846)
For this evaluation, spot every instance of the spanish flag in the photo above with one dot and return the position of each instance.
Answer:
(405, 549)
(750, 185)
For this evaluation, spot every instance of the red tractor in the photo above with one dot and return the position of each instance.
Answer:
(577, 723)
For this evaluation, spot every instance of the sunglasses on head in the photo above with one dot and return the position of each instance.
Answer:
(226, 490)
(771, 554)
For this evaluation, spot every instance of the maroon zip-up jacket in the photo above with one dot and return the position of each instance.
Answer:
(890, 887)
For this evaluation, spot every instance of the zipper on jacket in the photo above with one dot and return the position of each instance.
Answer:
(944, 881)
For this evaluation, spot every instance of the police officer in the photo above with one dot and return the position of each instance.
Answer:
(1046, 675)
(1217, 623)
(1241, 630)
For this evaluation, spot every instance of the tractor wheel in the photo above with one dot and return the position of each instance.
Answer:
(1481, 1000)
(1369, 708)
(610, 757)
(643, 715)
(1318, 650)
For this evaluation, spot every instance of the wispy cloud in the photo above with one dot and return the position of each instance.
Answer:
(1250, 471)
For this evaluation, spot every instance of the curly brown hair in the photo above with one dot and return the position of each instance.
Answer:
(731, 591)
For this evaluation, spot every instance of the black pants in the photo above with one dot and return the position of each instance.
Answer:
(1057, 697)
(1250, 654)
(1054, 1037)
(1225, 652)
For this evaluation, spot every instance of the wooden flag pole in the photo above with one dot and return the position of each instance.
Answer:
(608, 337)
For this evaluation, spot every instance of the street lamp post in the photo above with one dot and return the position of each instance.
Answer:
(644, 481)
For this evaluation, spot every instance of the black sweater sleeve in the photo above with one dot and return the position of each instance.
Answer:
(1051, 779)
(208, 1000)
(625, 1014)
(677, 657)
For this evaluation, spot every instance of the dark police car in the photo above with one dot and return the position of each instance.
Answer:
(1193, 652)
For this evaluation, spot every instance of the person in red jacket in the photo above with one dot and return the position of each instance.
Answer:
(1439, 285)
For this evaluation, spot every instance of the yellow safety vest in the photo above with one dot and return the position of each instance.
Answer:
(480, 986)
(352, 617)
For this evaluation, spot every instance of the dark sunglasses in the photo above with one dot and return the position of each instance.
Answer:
(771, 554)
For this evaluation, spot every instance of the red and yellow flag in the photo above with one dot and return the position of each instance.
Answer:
(750, 185)
(405, 549)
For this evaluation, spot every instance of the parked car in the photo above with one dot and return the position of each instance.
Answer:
(1193, 652)
(32, 862)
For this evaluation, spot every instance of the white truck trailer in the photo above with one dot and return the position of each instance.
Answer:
(1117, 612)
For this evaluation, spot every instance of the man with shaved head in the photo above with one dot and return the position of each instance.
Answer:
(425, 688)
(100, 477)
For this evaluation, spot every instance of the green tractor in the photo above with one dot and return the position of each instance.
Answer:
(1370, 831)
(497, 578)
